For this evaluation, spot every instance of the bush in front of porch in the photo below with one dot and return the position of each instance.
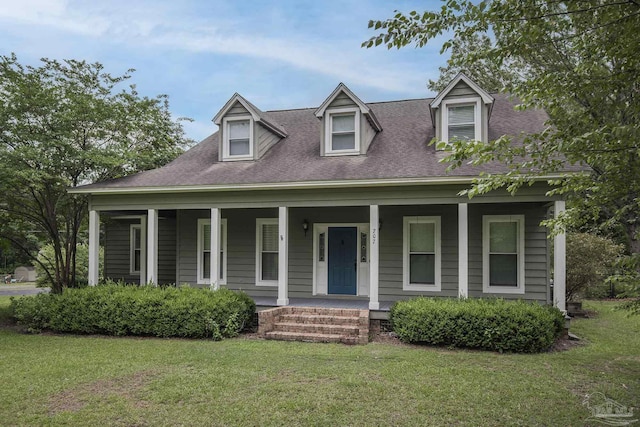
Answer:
(488, 324)
(118, 309)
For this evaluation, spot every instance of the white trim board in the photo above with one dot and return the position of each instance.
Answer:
(385, 182)
(320, 268)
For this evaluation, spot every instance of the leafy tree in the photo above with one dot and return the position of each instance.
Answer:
(590, 259)
(63, 124)
(491, 77)
(579, 61)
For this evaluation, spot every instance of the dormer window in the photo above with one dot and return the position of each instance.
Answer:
(343, 132)
(461, 120)
(238, 137)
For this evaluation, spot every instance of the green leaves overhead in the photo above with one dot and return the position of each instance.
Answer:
(579, 61)
(64, 124)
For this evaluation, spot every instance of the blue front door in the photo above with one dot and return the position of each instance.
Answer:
(343, 260)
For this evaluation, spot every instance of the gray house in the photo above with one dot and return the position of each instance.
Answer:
(344, 205)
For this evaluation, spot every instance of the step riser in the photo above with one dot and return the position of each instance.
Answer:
(319, 319)
(315, 324)
(311, 338)
(317, 329)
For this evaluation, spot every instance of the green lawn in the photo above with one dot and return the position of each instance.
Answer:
(74, 380)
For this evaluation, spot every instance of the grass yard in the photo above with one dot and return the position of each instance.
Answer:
(75, 380)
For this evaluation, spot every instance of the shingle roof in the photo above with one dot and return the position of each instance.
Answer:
(400, 150)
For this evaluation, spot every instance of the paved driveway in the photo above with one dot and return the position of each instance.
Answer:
(21, 289)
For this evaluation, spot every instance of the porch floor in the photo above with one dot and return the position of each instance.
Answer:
(264, 302)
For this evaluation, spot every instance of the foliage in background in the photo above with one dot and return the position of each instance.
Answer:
(46, 256)
(116, 309)
(64, 124)
(579, 61)
(489, 324)
(590, 260)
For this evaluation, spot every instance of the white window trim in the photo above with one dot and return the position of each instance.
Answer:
(223, 247)
(225, 146)
(328, 131)
(259, 223)
(460, 102)
(486, 287)
(132, 243)
(406, 286)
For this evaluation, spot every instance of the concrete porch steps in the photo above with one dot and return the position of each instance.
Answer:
(315, 324)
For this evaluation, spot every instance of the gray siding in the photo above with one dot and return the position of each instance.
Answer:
(265, 139)
(342, 101)
(117, 250)
(237, 110)
(461, 89)
(241, 247)
(391, 247)
(536, 246)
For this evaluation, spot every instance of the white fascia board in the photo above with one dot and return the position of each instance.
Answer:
(486, 98)
(235, 98)
(294, 185)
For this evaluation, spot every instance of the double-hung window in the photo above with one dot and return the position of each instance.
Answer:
(461, 120)
(204, 251)
(135, 244)
(503, 253)
(343, 132)
(238, 137)
(267, 251)
(421, 253)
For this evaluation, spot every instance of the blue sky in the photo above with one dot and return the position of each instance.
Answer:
(277, 54)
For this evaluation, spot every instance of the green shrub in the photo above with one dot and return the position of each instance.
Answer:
(489, 324)
(116, 309)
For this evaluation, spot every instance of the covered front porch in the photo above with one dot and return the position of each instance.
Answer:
(281, 256)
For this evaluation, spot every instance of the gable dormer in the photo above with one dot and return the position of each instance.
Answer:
(245, 132)
(462, 111)
(348, 124)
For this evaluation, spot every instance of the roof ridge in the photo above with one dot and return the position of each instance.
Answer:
(368, 103)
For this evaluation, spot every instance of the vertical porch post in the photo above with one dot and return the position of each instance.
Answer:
(215, 248)
(559, 262)
(283, 256)
(94, 246)
(143, 250)
(463, 250)
(374, 221)
(152, 246)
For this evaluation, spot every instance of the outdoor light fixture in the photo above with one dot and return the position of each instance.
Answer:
(379, 225)
(305, 227)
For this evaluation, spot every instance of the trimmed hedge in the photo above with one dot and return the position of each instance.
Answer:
(489, 324)
(116, 309)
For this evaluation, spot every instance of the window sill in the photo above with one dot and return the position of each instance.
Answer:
(503, 290)
(236, 158)
(207, 282)
(271, 283)
(421, 288)
(342, 153)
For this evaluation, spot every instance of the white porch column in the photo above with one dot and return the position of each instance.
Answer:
(215, 248)
(559, 262)
(463, 250)
(283, 256)
(143, 250)
(94, 247)
(152, 246)
(374, 251)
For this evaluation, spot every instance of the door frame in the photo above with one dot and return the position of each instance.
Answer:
(321, 270)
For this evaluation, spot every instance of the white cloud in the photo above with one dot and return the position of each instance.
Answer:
(160, 25)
